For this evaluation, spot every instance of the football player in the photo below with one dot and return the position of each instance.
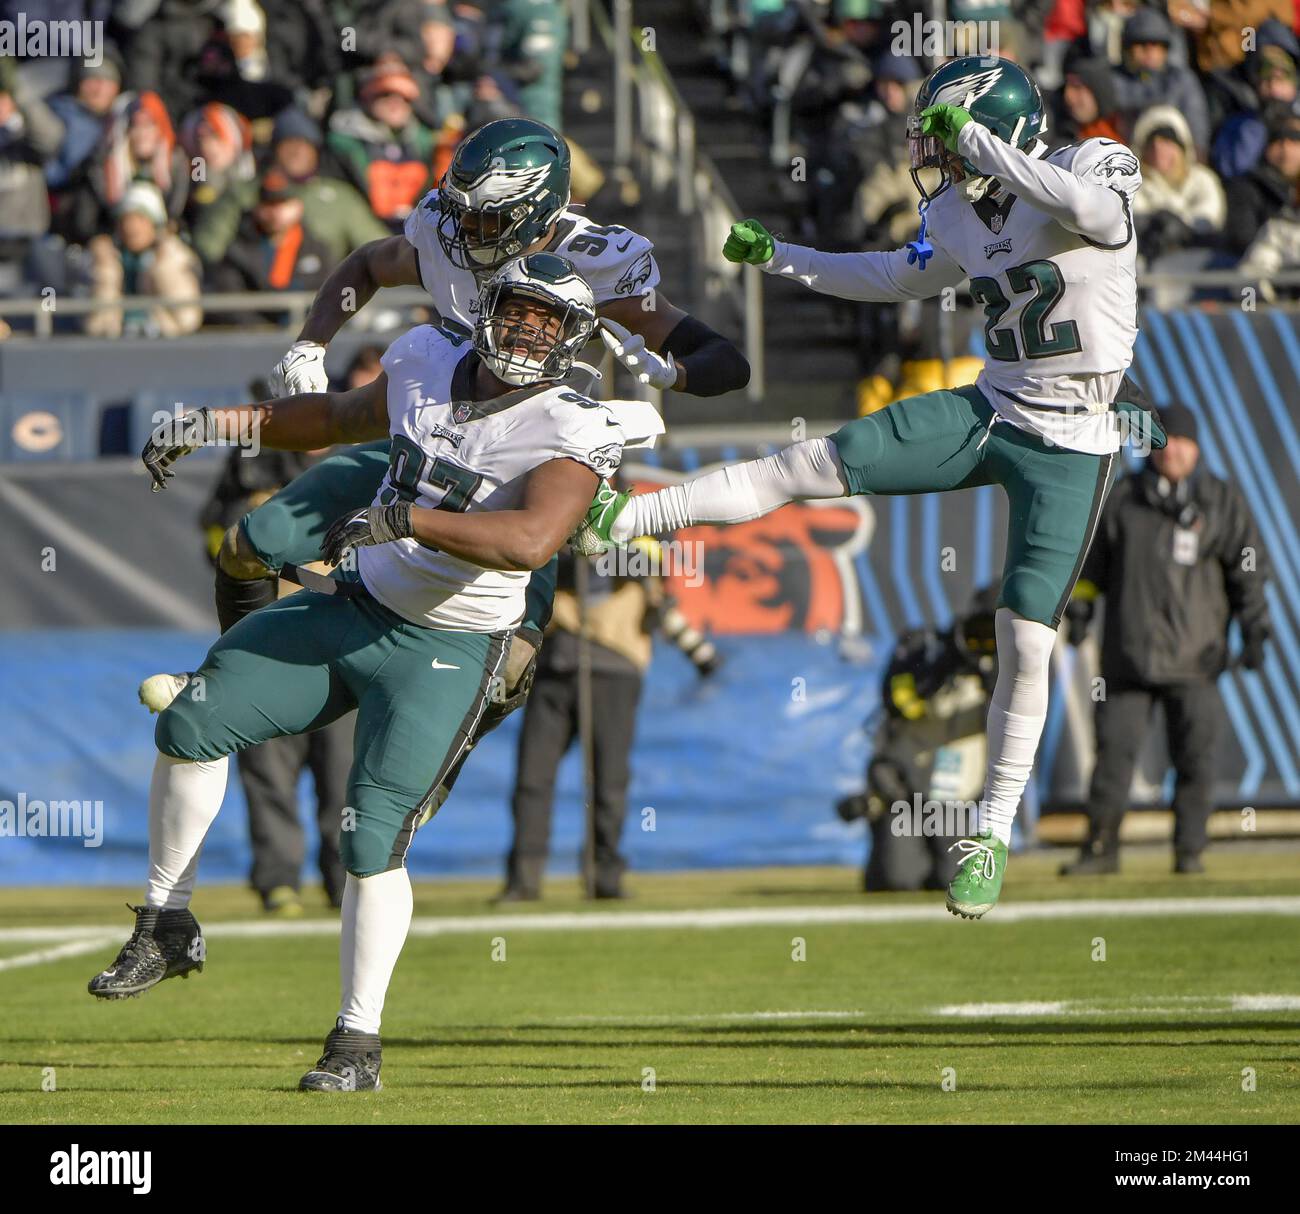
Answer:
(493, 462)
(505, 193)
(1046, 239)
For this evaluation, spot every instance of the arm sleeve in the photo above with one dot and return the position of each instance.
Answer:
(1091, 197)
(877, 277)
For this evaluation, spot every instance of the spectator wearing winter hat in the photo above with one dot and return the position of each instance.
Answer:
(1277, 246)
(275, 249)
(1266, 78)
(446, 91)
(85, 113)
(143, 257)
(218, 142)
(1270, 189)
(385, 151)
(1180, 208)
(1147, 77)
(138, 144)
(1087, 107)
(333, 211)
(883, 204)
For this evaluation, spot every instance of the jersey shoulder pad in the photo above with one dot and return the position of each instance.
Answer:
(1105, 162)
(421, 224)
(586, 430)
(424, 344)
(616, 262)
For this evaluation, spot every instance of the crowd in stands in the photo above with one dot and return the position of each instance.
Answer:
(244, 145)
(1204, 91)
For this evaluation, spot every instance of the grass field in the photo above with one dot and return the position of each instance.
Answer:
(571, 1023)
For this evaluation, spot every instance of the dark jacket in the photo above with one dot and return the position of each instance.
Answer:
(1252, 201)
(1169, 598)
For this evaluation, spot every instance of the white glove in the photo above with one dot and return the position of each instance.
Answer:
(657, 370)
(301, 370)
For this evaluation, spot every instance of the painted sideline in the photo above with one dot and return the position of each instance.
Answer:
(719, 917)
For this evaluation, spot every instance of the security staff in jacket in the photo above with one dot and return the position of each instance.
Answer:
(1178, 558)
(625, 606)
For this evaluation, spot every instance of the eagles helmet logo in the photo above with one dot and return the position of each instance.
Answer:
(970, 88)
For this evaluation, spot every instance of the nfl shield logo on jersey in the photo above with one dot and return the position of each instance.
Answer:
(996, 224)
(462, 411)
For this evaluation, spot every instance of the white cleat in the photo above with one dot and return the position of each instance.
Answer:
(159, 690)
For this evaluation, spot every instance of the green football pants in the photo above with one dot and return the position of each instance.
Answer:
(307, 659)
(949, 440)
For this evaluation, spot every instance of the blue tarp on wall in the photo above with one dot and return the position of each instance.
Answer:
(787, 706)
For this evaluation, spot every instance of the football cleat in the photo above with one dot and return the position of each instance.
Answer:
(974, 890)
(159, 690)
(164, 944)
(350, 1063)
(591, 536)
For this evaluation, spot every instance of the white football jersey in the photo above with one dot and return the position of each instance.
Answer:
(451, 452)
(1060, 309)
(617, 263)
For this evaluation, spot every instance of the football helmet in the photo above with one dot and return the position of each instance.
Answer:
(997, 93)
(507, 183)
(518, 349)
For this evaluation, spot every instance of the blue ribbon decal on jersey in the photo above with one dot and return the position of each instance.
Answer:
(920, 250)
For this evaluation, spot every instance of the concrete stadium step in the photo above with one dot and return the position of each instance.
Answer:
(812, 363)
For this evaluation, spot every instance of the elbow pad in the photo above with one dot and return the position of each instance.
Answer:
(713, 364)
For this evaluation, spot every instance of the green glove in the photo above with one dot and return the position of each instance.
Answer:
(944, 122)
(749, 241)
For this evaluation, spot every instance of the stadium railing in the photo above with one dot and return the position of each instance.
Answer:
(292, 306)
(654, 135)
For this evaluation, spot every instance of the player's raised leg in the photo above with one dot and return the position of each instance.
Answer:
(267, 677)
(1055, 498)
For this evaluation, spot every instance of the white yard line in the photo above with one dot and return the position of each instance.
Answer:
(75, 948)
(1150, 1005)
(747, 916)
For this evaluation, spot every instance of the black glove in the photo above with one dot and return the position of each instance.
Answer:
(173, 438)
(1078, 616)
(360, 529)
(1252, 650)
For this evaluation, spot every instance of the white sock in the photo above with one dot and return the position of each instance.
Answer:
(1016, 715)
(184, 799)
(737, 493)
(376, 918)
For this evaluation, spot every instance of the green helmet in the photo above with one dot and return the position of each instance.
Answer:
(997, 93)
(507, 183)
(522, 351)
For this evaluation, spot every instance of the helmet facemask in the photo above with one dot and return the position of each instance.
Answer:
(480, 239)
(526, 334)
(928, 152)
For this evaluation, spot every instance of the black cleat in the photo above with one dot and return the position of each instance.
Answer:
(165, 944)
(350, 1063)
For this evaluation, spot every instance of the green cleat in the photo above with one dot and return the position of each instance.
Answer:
(591, 537)
(974, 890)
